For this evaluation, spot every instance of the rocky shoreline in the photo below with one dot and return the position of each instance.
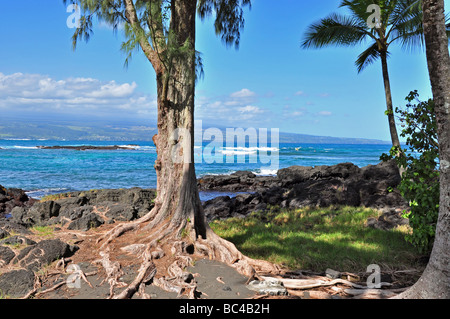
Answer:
(294, 187)
(87, 147)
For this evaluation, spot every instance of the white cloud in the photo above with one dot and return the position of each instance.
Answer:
(244, 93)
(250, 109)
(40, 93)
(114, 89)
(237, 109)
(325, 113)
(299, 93)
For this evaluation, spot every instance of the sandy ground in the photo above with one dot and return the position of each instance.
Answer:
(215, 280)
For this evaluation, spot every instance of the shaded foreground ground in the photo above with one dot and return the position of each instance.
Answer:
(215, 281)
(43, 240)
(218, 281)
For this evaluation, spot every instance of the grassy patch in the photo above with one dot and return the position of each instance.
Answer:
(43, 231)
(55, 197)
(316, 239)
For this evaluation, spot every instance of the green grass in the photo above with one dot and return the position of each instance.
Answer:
(316, 239)
(43, 231)
(55, 197)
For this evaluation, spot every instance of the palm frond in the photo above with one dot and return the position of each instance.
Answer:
(369, 56)
(335, 30)
(407, 26)
(358, 8)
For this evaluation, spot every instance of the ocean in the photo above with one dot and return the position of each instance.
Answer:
(49, 171)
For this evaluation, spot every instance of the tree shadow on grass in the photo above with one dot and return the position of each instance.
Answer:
(317, 248)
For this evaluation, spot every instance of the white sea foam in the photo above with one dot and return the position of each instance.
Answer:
(139, 147)
(266, 172)
(247, 150)
(20, 147)
(234, 152)
(135, 147)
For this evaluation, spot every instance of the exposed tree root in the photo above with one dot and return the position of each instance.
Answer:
(180, 238)
(145, 274)
(37, 285)
(224, 251)
(123, 228)
(113, 272)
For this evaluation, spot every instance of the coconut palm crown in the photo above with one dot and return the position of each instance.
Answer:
(394, 21)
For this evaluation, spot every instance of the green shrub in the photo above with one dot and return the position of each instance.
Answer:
(420, 180)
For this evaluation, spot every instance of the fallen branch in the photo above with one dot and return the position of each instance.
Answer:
(312, 294)
(373, 293)
(37, 293)
(302, 284)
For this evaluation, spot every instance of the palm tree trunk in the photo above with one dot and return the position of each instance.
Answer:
(389, 104)
(435, 281)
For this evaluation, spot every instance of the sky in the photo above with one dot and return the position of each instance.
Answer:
(269, 82)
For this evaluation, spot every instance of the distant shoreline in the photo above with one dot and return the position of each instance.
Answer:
(87, 147)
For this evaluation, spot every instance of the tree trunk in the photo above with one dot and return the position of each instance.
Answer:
(177, 199)
(389, 104)
(435, 281)
(178, 214)
(177, 222)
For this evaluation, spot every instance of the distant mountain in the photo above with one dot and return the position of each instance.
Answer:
(312, 139)
(74, 131)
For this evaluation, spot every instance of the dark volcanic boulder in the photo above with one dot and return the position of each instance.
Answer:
(17, 240)
(43, 253)
(120, 212)
(223, 207)
(86, 222)
(377, 186)
(87, 209)
(322, 193)
(12, 227)
(71, 212)
(3, 233)
(299, 186)
(13, 197)
(273, 196)
(218, 208)
(240, 181)
(16, 283)
(6, 255)
(38, 214)
(43, 211)
(299, 174)
(385, 171)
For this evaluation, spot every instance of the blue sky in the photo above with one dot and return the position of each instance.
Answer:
(270, 82)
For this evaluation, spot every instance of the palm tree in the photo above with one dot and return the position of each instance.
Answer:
(435, 280)
(400, 21)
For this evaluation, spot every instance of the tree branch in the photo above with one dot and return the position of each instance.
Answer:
(150, 53)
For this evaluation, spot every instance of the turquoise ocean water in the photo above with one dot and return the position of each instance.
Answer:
(41, 172)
